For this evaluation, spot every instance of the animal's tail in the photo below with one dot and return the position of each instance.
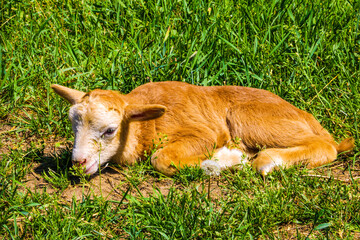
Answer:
(345, 145)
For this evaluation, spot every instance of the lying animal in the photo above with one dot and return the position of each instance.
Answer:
(195, 120)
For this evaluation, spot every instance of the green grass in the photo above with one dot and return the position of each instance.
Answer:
(307, 52)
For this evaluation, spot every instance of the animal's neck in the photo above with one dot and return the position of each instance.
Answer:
(135, 139)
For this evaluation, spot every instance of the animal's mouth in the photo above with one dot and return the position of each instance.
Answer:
(92, 168)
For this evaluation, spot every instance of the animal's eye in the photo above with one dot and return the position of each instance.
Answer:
(108, 132)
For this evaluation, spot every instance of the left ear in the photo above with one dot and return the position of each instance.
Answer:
(71, 95)
(137, 112)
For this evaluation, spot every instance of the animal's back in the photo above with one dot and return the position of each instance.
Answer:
(172, 94)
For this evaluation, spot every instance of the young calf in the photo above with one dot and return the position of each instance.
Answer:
(196, 120)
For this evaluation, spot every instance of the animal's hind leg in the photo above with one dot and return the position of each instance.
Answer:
(313, 151)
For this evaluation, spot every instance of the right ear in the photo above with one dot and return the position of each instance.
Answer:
(137, 112)
(71, 95)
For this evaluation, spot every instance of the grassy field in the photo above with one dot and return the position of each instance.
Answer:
(306, 51)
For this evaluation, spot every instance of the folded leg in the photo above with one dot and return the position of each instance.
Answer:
(313, 151)
(188, 147)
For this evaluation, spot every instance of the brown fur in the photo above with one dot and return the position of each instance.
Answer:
(195, 119)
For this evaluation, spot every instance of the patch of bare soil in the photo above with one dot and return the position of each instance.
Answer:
(12, 139)
(294, 231)
(340, 170)
(6, 137)
(112, 184)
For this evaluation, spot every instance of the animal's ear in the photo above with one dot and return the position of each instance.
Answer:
(71, 95)
(137, 112)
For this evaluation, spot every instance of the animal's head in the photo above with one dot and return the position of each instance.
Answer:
(98, 119)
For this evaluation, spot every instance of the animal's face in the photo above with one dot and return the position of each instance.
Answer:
(97, 134)
(100, 119)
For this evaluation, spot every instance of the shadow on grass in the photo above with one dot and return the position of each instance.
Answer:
(58, 168)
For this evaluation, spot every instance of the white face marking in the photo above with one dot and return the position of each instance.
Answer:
(97, 131)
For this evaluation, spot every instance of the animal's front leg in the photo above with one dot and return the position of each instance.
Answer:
(179, 154)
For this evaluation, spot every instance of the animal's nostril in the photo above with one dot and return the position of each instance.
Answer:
(79, 162)
(82, 162)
